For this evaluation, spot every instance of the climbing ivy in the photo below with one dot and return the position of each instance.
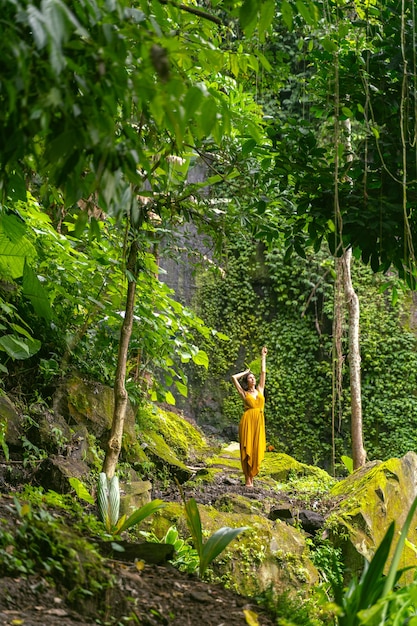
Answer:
(287, 304)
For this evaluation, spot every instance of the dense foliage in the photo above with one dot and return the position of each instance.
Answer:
(289, 306)
(114, 104)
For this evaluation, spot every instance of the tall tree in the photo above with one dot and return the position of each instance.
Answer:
(352, 301)
(112, 93)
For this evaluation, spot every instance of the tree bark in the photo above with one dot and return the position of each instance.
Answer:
(352, 302)
(114, 444)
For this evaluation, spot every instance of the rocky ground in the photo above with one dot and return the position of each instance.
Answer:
(159, 594)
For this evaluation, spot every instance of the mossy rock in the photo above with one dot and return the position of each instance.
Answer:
(159, 451)
(225, 461)
(12, 422)
(282, 467)
(267, 554)
(184, 438)
(92, 404)
(236, 503)
(205, 476)
(160, 522)
(368, 501)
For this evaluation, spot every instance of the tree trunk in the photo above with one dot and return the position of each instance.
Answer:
(114, 444)
(352, 301)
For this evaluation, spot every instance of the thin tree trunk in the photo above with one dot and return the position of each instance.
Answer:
(114, 444)
(352, 301)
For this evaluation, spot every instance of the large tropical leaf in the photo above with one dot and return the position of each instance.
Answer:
(194, 524)
(140, 514)
(34, 290)
(19, 347)
(114, 499)
(15, 248)
(216, 544)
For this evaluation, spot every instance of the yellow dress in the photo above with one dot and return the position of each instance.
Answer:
(252, 437)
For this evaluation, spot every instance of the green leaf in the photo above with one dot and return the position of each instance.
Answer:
(216, 544)
(140, 514)
(390, 580)
(266, 17)
(81, 490)
(34, 290)
(287, 14)
(13, 255)
(194, 524)
(183, 389)
(305, 13)
(248, 15)
(208, 116)
(169, 398)
(114, 499)
(16, 186)
(20, 330)
(103, 500)
(248, 146)
(348, 463)
(201, 358)
(19, 348)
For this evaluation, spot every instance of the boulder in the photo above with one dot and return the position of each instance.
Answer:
(13, 422)
(120, 550)
(161, 454)
(56, 471)
(134, 495)
(367, 502)
(48, 430)
(282, 467)
(310, 521)
(91, 404)
(268, 554)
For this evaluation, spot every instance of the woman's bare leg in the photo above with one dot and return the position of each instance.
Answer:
(247, 473)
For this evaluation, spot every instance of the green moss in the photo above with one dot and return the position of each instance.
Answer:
(171, 515)
(283, 467)
(369, 500)
(162, 454)
(236, 503)
(223, 461)
(205, 476)
(186, 441)
(46, 545)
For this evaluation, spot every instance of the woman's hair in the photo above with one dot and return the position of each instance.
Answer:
(244, 381)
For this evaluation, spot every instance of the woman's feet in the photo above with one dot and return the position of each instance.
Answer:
(249, 482)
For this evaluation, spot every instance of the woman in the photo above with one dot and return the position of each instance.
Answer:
(252, 425)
